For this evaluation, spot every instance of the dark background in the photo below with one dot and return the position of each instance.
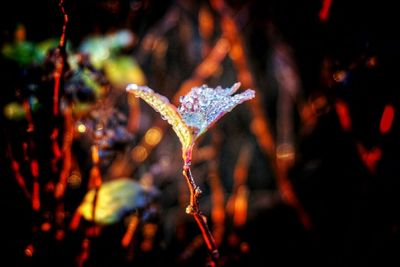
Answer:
(354, 211)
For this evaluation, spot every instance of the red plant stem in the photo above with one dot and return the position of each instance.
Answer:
(387, 119)
(324, 12)
(194, 210)
(66, 153)
(19, 178)
(62, 39)
(57, 77)
(36, 186)
(59, 65)
(17, 174)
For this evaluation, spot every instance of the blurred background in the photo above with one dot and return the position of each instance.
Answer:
(304, 174)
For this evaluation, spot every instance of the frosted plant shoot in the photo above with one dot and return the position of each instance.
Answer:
(198, 111)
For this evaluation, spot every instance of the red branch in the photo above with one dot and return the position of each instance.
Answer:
(59, 64)
(324, 12)
(200, 218)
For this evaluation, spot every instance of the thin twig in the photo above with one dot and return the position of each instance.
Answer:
(194, 210)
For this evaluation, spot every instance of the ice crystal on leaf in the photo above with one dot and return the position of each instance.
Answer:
(198, 110)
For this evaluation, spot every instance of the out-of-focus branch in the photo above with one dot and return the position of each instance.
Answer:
(259, 125)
